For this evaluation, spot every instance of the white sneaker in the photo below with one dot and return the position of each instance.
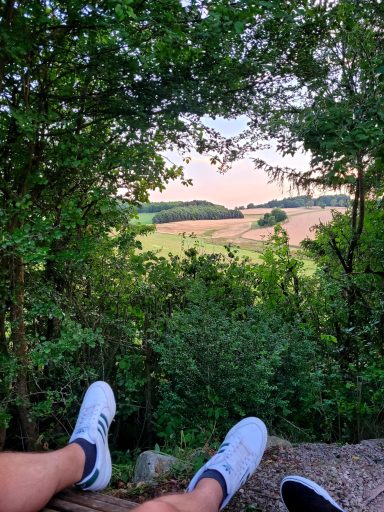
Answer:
(300, 494)
(95, 417)
(238, 456)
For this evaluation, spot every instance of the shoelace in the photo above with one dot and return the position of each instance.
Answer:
(87, 417)
(242, 456)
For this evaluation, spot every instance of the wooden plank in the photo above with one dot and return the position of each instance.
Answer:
(67, 506)
(95, 502)
(82, 501)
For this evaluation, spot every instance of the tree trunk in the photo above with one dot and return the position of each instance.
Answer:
(53, 323)
(20, 347)
(148, 419)
(351, 346)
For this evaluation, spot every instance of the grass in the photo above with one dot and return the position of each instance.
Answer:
(164, 243)
(255, 224)
(144, 218)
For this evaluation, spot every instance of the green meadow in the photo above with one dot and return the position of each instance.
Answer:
(164, 243)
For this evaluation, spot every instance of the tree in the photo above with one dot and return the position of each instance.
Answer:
(331, 103)
(279, 214)
(91, 94)
(327, 98)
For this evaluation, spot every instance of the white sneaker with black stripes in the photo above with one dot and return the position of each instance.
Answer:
(95, 417)
(238, 456)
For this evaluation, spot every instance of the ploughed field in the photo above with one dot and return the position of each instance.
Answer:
(243, 231)
(210, 236)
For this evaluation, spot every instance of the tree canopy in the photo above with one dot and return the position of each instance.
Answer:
(91, 93)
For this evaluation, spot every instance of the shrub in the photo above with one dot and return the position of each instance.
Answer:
(275, 217)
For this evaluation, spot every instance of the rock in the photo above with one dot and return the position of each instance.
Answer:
(151, 465)
(274, 441)
(373, 443)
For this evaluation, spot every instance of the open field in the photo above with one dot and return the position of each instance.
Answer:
(298, 226)
(210, 236)
(164, 244)
(242, 232)
(176, 244)
(144, 218)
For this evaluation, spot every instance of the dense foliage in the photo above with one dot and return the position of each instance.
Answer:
(92, 95)
(305, 201)
(91, 99)
(274, 217)
(196, 213)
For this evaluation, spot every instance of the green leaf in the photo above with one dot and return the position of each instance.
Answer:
(239, 27)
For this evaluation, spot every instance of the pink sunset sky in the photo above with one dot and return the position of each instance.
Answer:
(239, 186)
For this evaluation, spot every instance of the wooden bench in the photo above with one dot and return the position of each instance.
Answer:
(80, 501)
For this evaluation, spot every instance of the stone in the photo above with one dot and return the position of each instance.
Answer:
(373, 443)
(274, 441)
(150, 465)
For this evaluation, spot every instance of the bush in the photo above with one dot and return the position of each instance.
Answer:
(218, 368)
(275, 217)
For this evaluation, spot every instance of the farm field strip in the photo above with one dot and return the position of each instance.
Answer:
(164, 243)
(298, 225)
(210, 236)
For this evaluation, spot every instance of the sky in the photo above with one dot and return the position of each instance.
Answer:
(239, 186)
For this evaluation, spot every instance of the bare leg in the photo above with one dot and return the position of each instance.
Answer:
(206, 497)
(29, 480)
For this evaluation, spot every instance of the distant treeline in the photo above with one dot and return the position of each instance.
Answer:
(196, 213)
(167, 205)
(305, 201)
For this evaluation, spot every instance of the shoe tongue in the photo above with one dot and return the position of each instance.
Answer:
(83, 433)
(85, 424)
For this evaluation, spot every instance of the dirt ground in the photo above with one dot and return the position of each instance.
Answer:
(352, 474)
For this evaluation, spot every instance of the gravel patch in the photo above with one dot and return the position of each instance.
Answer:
(352, 474)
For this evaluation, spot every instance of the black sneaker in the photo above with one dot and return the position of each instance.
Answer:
(302, 495)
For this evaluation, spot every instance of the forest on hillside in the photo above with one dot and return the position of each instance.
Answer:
(93, 96)
(196, 213)
(305, 202)
(175, 211)
(155, 207)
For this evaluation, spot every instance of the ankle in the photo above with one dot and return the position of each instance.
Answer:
(211, 491)
(74, 461)
(89, 450)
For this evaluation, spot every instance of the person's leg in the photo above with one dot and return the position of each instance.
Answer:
(206, 497)
(218, 480)
(29, 480)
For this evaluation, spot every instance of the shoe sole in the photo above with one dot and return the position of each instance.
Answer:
(311, 485)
